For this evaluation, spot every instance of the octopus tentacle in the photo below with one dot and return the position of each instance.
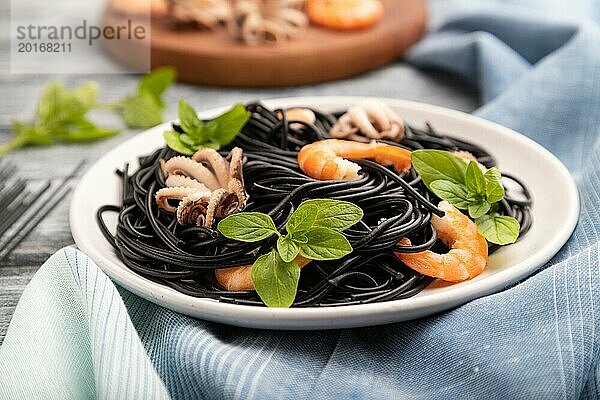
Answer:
(184, 181)
(193, 208)
(163, 196)
(373, 119)
(236, 161)
(181, 165)
(218, 165)
(361, 119)
(269, 21)
(215, 199)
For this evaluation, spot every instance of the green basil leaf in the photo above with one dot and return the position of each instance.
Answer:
(210, 145)
(85, 94)
(229, 124)
(173, 140)
(157, 81)
(453, 193)
(302, 219)
(83, 130)
(190, 123)
(58, 106)
(30, 134)
(498, 229)
(299, 237)
(334, 214)
(434, 165)
(474, 179)
(494, 190)
(288, 250)
(141, 111)
(275, 280)
(187, 140)
(247, 227)
(479, 210)
(325, 244)
(50, 104)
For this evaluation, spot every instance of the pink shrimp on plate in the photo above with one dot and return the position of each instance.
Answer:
(327, 159)
(468, 254)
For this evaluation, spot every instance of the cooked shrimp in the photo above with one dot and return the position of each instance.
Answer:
(344, 14)
(468, 254)
(240, 278)
(325, 159)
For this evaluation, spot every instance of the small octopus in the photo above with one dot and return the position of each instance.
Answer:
(207, 186)
(206, 14)
(267, 21)
(372, 119)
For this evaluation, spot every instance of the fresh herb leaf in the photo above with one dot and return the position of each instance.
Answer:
(453, 193)
(61, 114)
(83, 130)
(229, 124)
(144, 108)
(302, 219)
(32, 134)
(141, 111)
(157, 82)
(498, 229)
(190, 123)
(247, 227)
(433, 165)
(299, 237)
(213, 134)
(479, 210)
(275, 280)
(85, 95)
(173, 141)
(334, 214)
(325, 244)
(288, 250)
(475, 180)
(494, 190)
(58, 106)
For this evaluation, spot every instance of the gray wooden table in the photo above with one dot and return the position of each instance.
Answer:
(18, 94)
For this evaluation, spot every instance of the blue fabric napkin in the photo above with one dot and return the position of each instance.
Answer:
(74, 335)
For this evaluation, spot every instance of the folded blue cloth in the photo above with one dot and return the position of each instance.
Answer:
(74, 335)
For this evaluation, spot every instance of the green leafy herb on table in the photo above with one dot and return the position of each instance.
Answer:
(218, 132)
(467, 187)
(313, 232)
(62, 114)
(144, 108)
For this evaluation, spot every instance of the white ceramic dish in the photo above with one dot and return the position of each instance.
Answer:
(549, 181)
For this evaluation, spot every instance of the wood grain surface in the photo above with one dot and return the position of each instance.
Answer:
(18, 96)
(318, 55)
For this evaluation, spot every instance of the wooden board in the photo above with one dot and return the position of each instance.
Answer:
(215, 58)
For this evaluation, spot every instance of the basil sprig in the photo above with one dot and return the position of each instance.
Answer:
(313, 231)
(143, 109)
(218, 132)
(62, 114)
(467, 187)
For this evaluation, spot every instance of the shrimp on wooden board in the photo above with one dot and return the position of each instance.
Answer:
(344, 14)
(468, 254)
(240, 278)
(326, 159)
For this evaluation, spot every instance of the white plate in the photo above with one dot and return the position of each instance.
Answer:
(549, 181)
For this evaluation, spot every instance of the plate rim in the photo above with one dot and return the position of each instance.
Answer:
(345, 316)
